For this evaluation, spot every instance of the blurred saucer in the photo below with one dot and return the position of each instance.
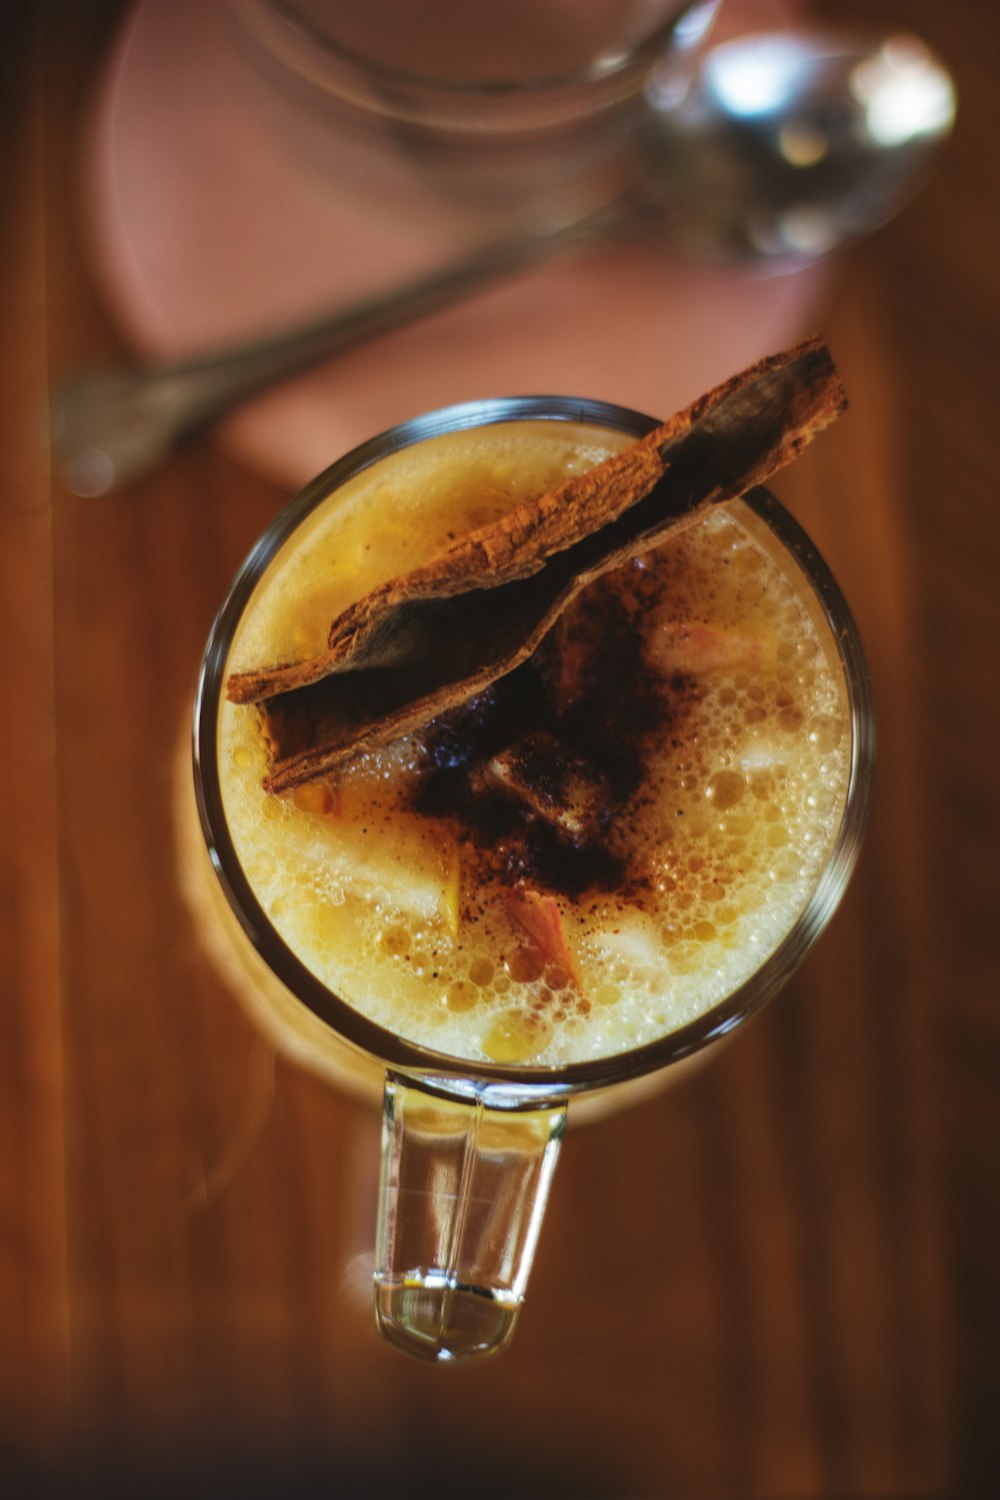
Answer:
(203, 229)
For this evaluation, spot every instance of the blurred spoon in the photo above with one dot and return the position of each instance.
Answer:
(789, 145)
(785, 146)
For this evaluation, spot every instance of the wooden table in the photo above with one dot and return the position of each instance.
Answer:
(776, 1279)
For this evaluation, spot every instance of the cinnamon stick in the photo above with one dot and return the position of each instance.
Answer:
(426, 641)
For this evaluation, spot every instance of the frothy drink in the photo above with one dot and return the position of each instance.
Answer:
(598, 848)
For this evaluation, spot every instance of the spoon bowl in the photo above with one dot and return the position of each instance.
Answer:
(789, 145)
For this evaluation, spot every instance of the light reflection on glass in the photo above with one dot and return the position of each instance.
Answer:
(904, 93)
(802, 145)
(759, 76)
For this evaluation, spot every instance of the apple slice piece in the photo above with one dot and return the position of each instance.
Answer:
(395, 861)
(551, 781)
(632, 938)
(538, 917)
(689, 646)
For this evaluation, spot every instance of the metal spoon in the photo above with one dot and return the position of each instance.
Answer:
(790, 145)
(784, 147)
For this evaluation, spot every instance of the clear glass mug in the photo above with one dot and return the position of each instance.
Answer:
(468, 1150)
(467, 113)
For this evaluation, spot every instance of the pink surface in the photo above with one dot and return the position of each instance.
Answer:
(204, 229)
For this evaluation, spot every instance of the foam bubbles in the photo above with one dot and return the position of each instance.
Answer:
(733, 824)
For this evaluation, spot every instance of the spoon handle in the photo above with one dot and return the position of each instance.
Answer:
(113, 427)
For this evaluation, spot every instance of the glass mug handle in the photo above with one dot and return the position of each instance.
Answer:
(461, 1199)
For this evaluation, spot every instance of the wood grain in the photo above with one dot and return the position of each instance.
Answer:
(778, 1278)
(34, 1317)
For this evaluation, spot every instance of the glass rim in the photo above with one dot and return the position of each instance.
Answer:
(309, 52)
(524, 1083)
